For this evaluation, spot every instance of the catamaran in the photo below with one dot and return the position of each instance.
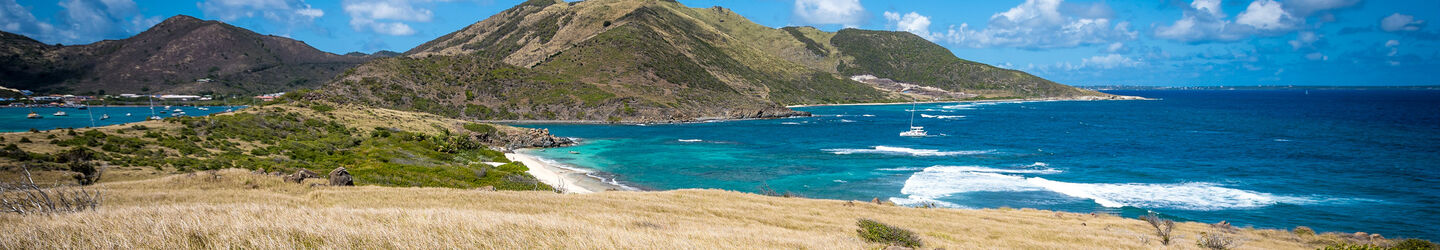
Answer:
(914, 131)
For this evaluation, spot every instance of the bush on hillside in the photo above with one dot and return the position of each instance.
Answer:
(875, 231)
(1162, 227)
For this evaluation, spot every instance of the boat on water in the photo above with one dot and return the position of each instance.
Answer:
(82, 107)
(914, 131)
(154, 118)
(179, 111)
(127, 114)
(60, 113)
(33, 115)
(203, 108)
(104, 116)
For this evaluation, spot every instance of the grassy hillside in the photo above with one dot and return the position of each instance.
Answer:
(418, 150)
(906, 57)
(648, 60)
(237, 209)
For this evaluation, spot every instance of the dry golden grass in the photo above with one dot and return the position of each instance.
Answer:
(237, 209)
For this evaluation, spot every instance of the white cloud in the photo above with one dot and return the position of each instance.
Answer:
(1305, 39)
(1392, 43)
(1400, 22)
(1266, 15)
(1115, 47)
(1211, 7)
(1109, 61)
(1205, 21)
(844, 12)
(284, 11)
(911, 22)
(386, 16)
(310, 12)
(78, 21)
(1034, 24)
(1317, 56)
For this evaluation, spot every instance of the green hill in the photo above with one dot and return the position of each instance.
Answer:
(649, 60)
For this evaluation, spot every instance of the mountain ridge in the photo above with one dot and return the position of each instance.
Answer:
(169, 58)
(658, 61)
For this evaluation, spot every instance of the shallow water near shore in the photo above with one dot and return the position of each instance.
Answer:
(1333, 160)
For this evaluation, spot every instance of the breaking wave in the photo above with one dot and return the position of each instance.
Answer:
(904, 151)
(941, 181)
(949, 117)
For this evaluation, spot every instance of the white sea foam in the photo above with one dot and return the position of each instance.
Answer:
(790, 123)
(950, 117)
(840, 181)
(899, 169)
(689, 140)
(941, 181)
(959, 106)
(868, 115)
(846, 120)
(904, 151)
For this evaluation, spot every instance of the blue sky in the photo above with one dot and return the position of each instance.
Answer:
(1078, 42)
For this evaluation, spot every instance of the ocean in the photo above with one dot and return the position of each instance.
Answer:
(1332, 160)
(13, 119)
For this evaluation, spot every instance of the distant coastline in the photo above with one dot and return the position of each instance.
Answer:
(1081, 98)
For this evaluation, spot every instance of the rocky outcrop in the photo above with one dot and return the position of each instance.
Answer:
(769, 113)
(300, 176)
(533, 138)
(341, 177)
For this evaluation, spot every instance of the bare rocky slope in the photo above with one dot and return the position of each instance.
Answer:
(169, 58)
(654, 61)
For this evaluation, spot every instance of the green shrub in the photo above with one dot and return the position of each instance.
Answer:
(874, 231)
(1351, 246)
(1415, 244)
(322, 108)
(480, 128)
(24, 139)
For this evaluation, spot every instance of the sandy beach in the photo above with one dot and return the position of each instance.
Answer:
(566, 180)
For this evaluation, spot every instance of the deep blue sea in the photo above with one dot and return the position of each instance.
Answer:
(13, 119)
(1333, 160)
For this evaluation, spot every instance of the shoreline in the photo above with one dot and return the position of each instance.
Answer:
(564, 179)
(1081, 98)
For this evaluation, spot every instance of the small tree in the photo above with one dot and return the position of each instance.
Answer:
(1162, 227)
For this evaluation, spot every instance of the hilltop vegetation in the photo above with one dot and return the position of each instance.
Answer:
(418, 150)
(647, 60)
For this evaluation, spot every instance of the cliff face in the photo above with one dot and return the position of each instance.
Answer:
(646, 61)
(169, 58)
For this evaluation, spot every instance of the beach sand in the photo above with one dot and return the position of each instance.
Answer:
(566, 180)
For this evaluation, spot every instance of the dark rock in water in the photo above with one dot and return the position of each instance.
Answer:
(301, 175)
(340, 177)
(769, 113)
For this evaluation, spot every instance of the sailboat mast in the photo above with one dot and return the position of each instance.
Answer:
(912, 113)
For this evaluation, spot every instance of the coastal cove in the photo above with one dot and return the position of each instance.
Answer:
(1333, 160)
(12, 119)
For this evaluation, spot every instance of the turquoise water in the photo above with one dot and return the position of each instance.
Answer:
(13, 119)
(1333, 160)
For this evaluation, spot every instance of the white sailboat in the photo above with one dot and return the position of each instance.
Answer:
(914, 131)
